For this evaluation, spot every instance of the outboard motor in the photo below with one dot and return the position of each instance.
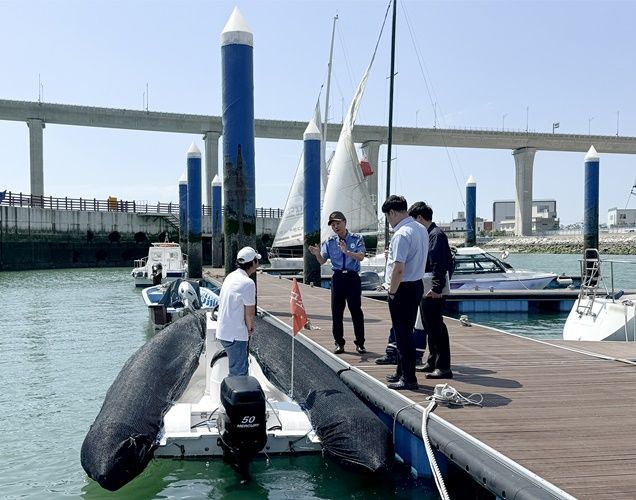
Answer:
(242, 426)
(157, 273)
(188, 296)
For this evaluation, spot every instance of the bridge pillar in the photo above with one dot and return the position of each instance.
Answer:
(371, 151)
(524, 161)
(211, 140)
(36, 152)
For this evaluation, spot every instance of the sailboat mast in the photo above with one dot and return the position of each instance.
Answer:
(323, 152)
(390, 137)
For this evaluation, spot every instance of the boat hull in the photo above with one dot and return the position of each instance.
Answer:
(602, 319)
(190, 426)
(504, 281)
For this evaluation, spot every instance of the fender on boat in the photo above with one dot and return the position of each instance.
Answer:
(349, 431)
(123, 438)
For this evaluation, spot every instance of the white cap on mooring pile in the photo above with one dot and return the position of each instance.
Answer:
(312, 132)
(194, 152)
(183, 179)
(236, 30)
(471, 181)
(592, 155)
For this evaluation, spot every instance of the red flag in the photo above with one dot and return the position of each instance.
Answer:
(296, 308)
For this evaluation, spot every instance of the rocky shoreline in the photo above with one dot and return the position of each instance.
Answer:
(614, 243)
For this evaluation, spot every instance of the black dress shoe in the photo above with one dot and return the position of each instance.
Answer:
(361, 349)
(386, 360)
(437, 373)
(403, 386)
(425, 368)
(393, 378)
(339, 349)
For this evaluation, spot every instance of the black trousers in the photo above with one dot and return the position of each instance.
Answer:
(438, 342)
(403, 310)
(346, 289)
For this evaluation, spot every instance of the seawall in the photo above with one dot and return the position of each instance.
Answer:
(43, 238)
(609, 243)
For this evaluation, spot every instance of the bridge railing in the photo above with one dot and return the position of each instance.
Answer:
(111, 204)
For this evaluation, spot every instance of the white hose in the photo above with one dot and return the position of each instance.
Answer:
(437, 475)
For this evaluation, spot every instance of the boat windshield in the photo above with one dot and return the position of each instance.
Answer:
(477, 264)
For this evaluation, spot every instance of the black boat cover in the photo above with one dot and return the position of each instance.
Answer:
(348, 429)
(122, 440)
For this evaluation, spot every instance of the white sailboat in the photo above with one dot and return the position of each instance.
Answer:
(289, 235)
(290, 228)
(600, 312)
(346, 189)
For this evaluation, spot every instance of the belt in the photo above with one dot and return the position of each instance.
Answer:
(344, 271)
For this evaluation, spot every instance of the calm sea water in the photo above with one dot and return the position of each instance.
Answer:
(65, 336)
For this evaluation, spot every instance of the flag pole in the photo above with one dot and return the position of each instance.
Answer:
(291, 393)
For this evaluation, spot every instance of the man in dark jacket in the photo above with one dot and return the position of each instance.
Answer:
(439, 267)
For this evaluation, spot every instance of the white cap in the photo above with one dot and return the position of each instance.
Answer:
(236, 30)
(471, 182)
(592, 155)
(193, 151)
(312, 132)
(247, 254)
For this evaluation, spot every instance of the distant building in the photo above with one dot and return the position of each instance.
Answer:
(544, 216)
(617, 217)
(457, 227)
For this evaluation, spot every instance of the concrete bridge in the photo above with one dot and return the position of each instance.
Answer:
(523, 145)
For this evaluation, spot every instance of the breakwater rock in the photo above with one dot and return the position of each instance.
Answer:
(609, 243)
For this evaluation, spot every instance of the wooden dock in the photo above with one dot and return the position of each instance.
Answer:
(562, 410)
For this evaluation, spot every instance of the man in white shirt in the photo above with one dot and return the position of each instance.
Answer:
(405, 265)
(237, 310)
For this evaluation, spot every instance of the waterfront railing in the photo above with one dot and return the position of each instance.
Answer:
(111, 204)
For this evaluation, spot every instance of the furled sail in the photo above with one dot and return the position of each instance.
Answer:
(346, 189)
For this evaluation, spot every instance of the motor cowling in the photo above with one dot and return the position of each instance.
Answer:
(156, 273)
(242, 426)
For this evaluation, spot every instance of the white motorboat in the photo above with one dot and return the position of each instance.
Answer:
(164, 262)
(371, 263)
(600, 312)
(192, 426)
(167, 301)
(476, 269)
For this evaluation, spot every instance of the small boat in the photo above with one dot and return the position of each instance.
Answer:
(197, 425)
(168, 301)
(476, 269)
(164, 262)
(173, 399)
(600, 312)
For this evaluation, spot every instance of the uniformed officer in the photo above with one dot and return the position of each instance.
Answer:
(345, 250)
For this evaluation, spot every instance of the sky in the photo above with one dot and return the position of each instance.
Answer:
(472, 64)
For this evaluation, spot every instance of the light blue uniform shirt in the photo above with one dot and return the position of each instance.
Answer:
(330, 249)
(409, 245)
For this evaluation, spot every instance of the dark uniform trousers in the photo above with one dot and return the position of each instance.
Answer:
(403, 309)
(346, 288)
(432, 311)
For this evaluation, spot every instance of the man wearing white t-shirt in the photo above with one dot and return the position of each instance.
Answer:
(237, 310)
